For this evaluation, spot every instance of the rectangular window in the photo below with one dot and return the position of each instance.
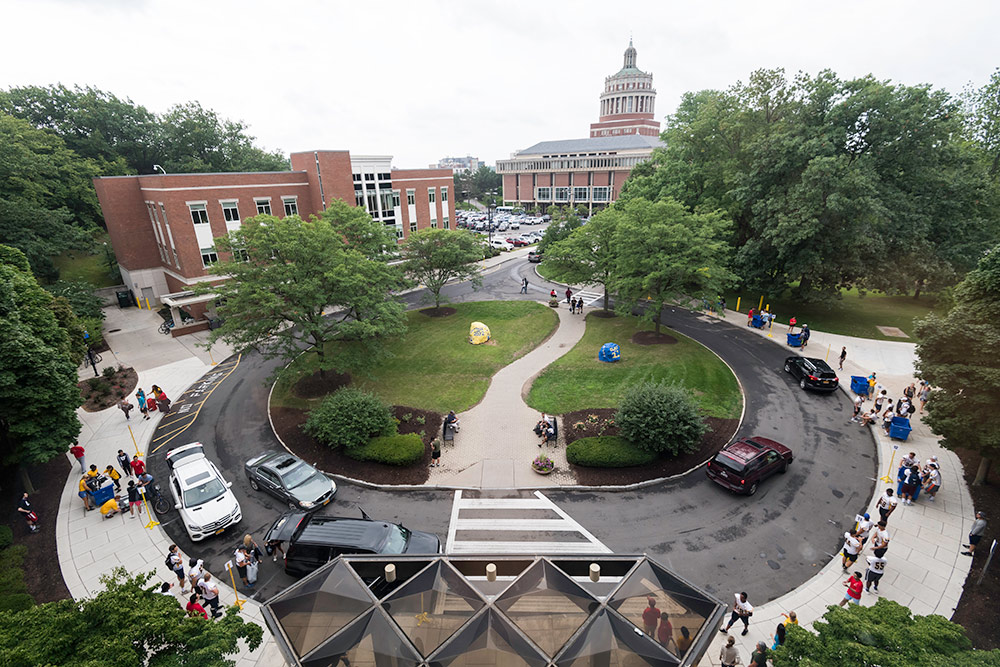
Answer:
(395, 198)
(386, 200)
(385, 177)
(447, 224)
(413, 226)
(263, 206)
(562, 194)
(291, 207)
(444, 194)
(431, 195)
(434, 224)
(411, 197)
(543, 194)
(399, 232)
(581, 194)
(209, 257)
(600, 193)
(230, 211)
(357, 177)
(199, 214)
(372, 206)
(359, 198)
(369, 177)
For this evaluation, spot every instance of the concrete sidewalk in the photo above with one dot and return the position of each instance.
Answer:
(925, 571)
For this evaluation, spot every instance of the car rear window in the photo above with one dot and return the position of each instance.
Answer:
(729, 463)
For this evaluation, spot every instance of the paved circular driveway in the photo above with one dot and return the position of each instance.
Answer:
(766, 545)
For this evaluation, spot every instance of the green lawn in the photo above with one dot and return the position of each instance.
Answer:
(852, 315)
(91, 267)
(578, 380)
(434, 367)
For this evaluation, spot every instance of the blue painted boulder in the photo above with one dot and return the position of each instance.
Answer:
(610, 352)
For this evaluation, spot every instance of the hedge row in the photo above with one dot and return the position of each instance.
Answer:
(13, 591)
(608, 451)
(394, 450)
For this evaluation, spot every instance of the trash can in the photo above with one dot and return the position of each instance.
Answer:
(900, 476)
(125, 299)
(859, 385)
(795, 339)
(757, 322)
(104, 493)
(900, 428)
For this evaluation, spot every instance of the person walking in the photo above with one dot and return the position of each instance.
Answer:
(790, 618)
(933, 483)
(194, 609)
(252, 548)
(210, 593)
(729, 655)
(436, 453)
(24, 509)
(863, 528)
(134, 499)
(805, 335)
(524, 286)
(176, 564)
(138, 467)
(887, 505)
(572, 306)
(124, 462)
(140, 397)
(910, 392)
(880, 540)
(791, 325)
(759, 657)
(843, 357)
(81, 455)
(665, 631)
(876, 568)
(851, 551)
(742, 610)
(242, 560)
(114, 476)
(569, 293)
(975, 535)
(779, 636)
(579, 306)
(750, 316)
(125, 407)
(924, 394)
(856, 417)
(650, 617)
(196, 568)
(854, 588)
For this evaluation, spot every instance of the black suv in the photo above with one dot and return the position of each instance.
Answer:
(812, 373)
(311, 541)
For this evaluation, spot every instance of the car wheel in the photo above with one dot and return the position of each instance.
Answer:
(802, 383)
(752, 490)
(784, 468)
(253, 484)
(788, 368)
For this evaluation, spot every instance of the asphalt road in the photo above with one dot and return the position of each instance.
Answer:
(766, 545)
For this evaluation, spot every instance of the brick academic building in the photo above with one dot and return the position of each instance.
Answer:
(590, 171)
(163, 226)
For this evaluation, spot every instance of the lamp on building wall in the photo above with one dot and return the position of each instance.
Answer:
(157, 167)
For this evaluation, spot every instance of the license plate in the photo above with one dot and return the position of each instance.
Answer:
(326, 501)
(220, 531)
(724, 474)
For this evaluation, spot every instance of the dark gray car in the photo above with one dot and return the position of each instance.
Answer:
(291, 480)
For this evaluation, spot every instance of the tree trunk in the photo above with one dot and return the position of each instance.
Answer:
(605, 298)
(983, 471)
(656, 322)
(916, 293)
(25, 479)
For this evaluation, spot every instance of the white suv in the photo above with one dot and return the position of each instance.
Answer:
(202, 496)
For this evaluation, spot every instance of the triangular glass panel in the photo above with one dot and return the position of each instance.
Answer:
(432, 605)
(370, 640)
(649, 592)
(610, 641)
(320, 606)
(486, 641)
(546, 605)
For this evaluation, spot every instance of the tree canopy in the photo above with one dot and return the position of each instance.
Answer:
(588, 255)
(476, 184)
(293, 284)
(433, 257)
(956, 354)
(126, 624)
(884, 634)
(38, 359)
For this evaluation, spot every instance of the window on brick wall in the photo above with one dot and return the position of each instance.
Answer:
(209, 257)
(447, 223)
(581, 194)
(434, 224)
(291, 207)
(444, 194)
(263, 206)
(411, 197)
(199, 214)
(399, 233)
(230, 211)
(431, 195)
(413, 226)
(395, 198)
(359, 198)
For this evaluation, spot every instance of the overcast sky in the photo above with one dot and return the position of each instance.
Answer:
(427, 79)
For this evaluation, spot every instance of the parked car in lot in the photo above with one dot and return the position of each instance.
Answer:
(500, 244)
(312, 540)
(201, 494)
(742, 465)
(812, 373)
(291, 480)
(518, 242)
(534, 256)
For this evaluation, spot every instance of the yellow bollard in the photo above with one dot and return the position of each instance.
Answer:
(828, 352)
(152, 524)
(134, 443)
(239, 602)
(761, 304)
(138, 303)
(147, 304)
(214, 362)
(738, 303)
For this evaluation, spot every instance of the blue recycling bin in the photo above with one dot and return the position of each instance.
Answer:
(104, 493)
(900, 476)
(900, 428)
(859, 385)
(795, 339)
(757, 322)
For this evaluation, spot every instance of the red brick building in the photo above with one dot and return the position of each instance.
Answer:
(163, 226)
(590, 171)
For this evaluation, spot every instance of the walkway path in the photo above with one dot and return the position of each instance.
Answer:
(496, 444)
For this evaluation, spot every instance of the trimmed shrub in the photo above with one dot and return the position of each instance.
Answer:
(6, 536)
(349, 417)
(394, 450)
(660, 418)
(13, 591)
(608, 451)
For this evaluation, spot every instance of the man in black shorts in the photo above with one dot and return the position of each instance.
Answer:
(976, 534)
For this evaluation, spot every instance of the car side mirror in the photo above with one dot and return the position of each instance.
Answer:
(177, 506)
(229, 485)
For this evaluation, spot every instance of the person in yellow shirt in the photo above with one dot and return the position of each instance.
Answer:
(85, 494)
(790, 618)
(115, 477)
(111, 508)
(93, 471)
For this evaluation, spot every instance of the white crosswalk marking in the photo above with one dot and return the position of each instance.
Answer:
(589, 297)
(493, 530)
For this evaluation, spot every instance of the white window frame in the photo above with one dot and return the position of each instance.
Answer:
(413, 226)
(444, 194)
(198, 207)
(447, 223)
(230, 205)
(431, 195)
(581, 193)
(411, 197)
(293, 200)
(209, 253)
(263, 202)
(395, 199)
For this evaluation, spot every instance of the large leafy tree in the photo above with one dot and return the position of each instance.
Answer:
(666, 254)
(982, 106)
(38, 393)
(125, 624)
(195, 139)
(564, 222)
(477, 184)
(434, 257)
(957, 354)
(884, 634)
(292, 284)
(589, 254)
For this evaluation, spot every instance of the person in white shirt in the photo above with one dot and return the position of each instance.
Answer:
(933, 484)
(210, 593)
(876, 568)
(887, 504)
(852, 547)
(197, 568)
(864, 528)
(742, 610)
(880, 540)
(870, 417)
(909, 460)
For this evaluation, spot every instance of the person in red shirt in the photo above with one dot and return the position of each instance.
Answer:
(665, 633)
(194, 609)
(854, 588)
(138, 467)
(650, 617)
(78, 451)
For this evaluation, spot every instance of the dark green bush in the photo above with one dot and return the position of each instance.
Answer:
(13, 591)
(349, 417)
(16, 602)
(108, 372)
(660, 418)
(394, 450)
(608, 451)
(6, 536)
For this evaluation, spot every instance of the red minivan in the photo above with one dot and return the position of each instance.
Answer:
(742, 465)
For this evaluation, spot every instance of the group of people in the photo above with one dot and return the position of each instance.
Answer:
(93, 479)
(575, 304)
(856, 540)
(656, 624)
(729, 656)
(157, 401)
(884, 408)
(545, 429)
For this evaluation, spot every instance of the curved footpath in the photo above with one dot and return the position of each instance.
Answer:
(925, 571)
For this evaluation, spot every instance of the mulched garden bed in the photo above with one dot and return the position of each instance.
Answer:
(595, 423)
(101, 393)
(443, 311)
(652, 338)
(288, 422)
(41, 566)
(316, 385)
(971, 613)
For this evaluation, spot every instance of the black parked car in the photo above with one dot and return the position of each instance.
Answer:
(290, 479)
(812, 373)
(311, 541)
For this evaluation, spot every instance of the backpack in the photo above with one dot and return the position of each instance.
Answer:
(911, 410)
(169, 562)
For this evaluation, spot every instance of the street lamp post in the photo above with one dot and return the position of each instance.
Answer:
(489, 218)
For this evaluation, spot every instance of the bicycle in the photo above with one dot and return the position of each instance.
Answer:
(158, 501)
(95, 355)
(166, 327)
